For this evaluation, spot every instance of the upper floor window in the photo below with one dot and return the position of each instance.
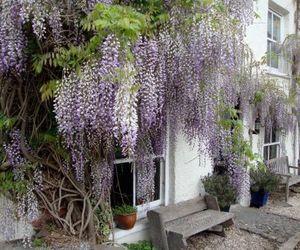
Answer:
(274, 39)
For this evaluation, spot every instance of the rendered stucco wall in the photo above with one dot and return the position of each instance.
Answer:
(14, 230)
(189, 166)
(185, 165)
(257, 41)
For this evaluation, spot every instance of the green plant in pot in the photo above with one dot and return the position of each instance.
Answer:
(263, 181)
(220, 187)
(125, 216)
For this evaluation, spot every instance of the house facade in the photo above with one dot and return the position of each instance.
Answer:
(180, 168)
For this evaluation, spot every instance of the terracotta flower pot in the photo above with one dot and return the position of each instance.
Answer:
(125, 221)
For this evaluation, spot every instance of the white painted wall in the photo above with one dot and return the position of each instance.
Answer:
(189, 167)
(186, 167)
(11, 229)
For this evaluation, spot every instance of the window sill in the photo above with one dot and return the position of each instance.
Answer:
(277, 73)
(140, 225)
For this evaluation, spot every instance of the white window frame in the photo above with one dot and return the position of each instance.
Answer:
(271, 40)
(142, 209)
(271, 143)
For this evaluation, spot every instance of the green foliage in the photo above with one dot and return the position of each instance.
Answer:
(69, 57)
(262, 179)
(52, 139)
(231, 121)
(103, 222)
(124, 210)
(124, 21)
(140, 245)
(154, 10)
(37, 242)
(6, 123)
(48, 89)
(220, 187)
(258, 97)
(8, 185)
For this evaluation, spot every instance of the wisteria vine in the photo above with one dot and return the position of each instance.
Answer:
(125, 79)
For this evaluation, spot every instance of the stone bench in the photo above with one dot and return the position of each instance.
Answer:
(281, 167)
(170, 226)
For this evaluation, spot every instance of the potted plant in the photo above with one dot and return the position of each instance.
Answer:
(263, 181)
(220, 187)
(125, 216)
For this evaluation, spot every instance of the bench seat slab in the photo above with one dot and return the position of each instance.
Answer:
(294, 180)
(197, 222)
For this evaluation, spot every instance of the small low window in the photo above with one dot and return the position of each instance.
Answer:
(124, 189)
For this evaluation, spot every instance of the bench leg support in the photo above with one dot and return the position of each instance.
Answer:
(218, 230)
(287, 190)
(228, 223)
(176, 241)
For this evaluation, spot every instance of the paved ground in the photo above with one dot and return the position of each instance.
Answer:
(272, 226)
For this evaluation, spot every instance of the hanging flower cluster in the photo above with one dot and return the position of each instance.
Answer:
(12, 38)
(274, 111)
(183, 71)
(126, 91)
(27, 203)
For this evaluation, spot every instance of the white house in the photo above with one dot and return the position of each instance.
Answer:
(181, 168)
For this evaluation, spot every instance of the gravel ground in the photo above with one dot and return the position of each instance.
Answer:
(277, 205)
(235, 240)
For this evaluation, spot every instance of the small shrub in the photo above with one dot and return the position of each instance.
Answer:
(141, 245)
(124, 210)
(220, 187)
(37, 242)
(263, 179)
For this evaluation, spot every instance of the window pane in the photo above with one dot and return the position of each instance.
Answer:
(274, 135)
(273, 151)
(274, 55)
(270, 25)
(157, 180)
(122, 189)
(267, 136)
(276, 28)
(269, 53)
(266, 157)
(156, 195)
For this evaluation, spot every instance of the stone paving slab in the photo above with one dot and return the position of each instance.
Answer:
(272, 226)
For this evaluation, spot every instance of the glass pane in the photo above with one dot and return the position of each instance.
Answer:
(273, 151)
(269, 53)
(266, 157)
(274, 135)
(157, 180)
(270, 25)
(274, 55)
(155, 194)
(267, 136)
(122, 188)
(276, 28)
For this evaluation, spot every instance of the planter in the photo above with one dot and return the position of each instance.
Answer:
(259, 199)
(125, 221)
(225, 209)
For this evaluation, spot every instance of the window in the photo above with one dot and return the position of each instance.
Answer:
(274, 39)
(125, 183)
(271, 146)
